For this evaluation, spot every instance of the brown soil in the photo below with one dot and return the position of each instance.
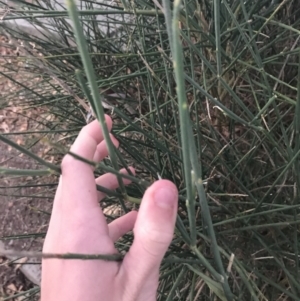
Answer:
(23, 210)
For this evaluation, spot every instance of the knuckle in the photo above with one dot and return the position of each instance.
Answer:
(83, 130)
(157, 235)
(155, 240)
(66, 162)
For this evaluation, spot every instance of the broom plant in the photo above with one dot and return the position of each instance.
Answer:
(203, 93)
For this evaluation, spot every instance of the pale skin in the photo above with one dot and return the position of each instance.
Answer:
(78, 225)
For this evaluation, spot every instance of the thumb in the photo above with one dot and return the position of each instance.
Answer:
(153, 230)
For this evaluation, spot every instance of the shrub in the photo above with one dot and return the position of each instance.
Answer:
(204, 93)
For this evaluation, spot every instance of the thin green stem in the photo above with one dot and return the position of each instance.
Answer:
(25, 151)
(97, 97)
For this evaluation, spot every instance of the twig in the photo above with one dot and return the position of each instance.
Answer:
(41, 255)
(159, 6)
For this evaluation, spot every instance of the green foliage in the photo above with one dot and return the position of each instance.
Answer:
(206, 95)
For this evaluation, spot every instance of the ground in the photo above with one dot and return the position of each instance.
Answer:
(23, 210)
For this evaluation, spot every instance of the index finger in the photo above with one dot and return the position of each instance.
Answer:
(78, 182)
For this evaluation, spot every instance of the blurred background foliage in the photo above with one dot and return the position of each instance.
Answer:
(241, 74)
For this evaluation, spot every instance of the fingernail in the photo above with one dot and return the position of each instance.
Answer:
(165, 197)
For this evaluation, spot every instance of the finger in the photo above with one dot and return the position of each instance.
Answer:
(78, 182)
(153, 230)
(85, 145)
(110, 181)
(122, 225)
(102, 150)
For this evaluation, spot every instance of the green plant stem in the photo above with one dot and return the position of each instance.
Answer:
(25, 151)
(26, 172)
(97, 98)
(189, 152)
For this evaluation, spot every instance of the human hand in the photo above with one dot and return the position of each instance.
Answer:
(78, 225)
